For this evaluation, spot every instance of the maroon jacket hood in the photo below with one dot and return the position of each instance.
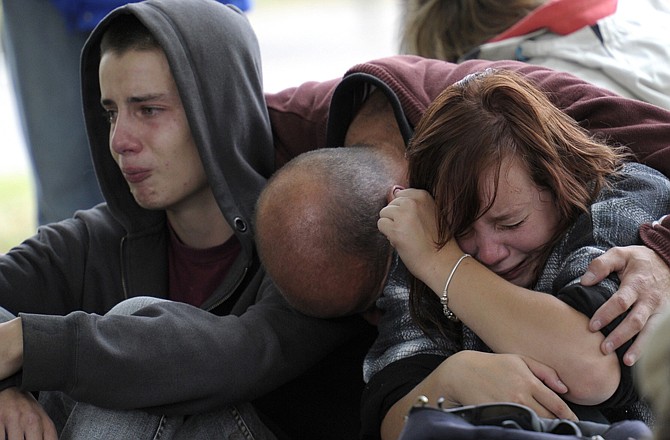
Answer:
(317, 114)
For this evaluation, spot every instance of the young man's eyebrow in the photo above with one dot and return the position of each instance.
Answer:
(145, 98)
(137, 99)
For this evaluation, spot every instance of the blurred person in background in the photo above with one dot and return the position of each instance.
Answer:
(621, 45)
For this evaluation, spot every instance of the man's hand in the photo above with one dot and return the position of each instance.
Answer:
(644, 289)
(22, 417)
(11, 347)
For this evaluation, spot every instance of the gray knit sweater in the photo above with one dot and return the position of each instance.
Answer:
(638, 195)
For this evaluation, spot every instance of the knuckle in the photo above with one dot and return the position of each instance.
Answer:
(31, 418)
(622, 300)
(637, 321)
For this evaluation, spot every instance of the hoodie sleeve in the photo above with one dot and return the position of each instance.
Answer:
(51, 271)
(139, 361)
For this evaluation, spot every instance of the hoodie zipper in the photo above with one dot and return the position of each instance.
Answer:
(124, 284)
(232, 291)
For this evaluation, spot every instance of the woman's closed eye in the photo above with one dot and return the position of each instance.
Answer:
(512, 226)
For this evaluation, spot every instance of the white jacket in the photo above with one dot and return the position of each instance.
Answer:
(631, 57)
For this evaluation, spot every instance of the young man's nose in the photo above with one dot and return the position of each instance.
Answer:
(121, 137)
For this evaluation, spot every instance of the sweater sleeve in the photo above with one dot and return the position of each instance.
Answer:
(656, 236)
(299, 118)
(587, 300)
(390, 385)
(51, 272)
(417, 81)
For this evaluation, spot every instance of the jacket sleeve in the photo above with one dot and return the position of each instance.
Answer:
(390, 385)
(656, 235)
(636, 196)
(417, 81)
(299, 118)
(139, 361)
(643, 127)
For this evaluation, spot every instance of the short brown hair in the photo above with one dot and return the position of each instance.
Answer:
(126, 32)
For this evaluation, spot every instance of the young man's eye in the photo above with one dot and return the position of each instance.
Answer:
(110, 116)
(150, 111)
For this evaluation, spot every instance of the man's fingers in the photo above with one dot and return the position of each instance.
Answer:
(601, 267)
(635, 350)
(618, 304)
(632, 325)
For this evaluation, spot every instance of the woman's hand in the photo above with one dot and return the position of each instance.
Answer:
(408, 221)
(472, 377)
(489, 377)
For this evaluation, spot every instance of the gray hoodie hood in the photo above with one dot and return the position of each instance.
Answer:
(215, 60)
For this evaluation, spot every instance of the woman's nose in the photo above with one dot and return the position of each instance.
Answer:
(486, 248)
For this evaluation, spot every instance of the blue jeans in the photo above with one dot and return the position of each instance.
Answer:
(87, 422)
(81, 421)
(43, 62)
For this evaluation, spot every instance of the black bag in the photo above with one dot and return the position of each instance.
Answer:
(510, 421)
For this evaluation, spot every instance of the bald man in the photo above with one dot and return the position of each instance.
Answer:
(317, 228)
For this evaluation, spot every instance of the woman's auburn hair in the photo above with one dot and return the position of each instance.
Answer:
(476, 123)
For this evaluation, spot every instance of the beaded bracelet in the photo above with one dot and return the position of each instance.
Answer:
(444, 299)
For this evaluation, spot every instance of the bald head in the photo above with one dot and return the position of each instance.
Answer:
(316, 229)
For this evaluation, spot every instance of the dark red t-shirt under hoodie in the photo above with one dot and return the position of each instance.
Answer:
(195, 273)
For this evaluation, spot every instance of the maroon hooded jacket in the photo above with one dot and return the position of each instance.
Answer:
(317, 114)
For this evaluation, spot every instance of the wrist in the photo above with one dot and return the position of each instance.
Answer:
(11, 347)
(441, 265)
(444, 299)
